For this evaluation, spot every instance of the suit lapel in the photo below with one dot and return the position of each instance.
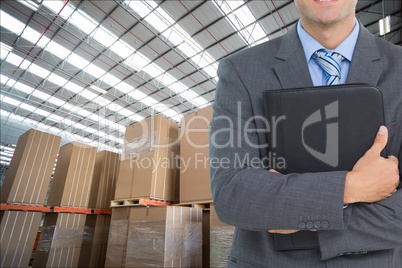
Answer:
(291, 66)
(365, 66)
(292, 70)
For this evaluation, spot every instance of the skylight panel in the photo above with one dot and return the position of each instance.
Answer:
(56, 79)
(102, 101)
(4, 159)
(138, 94)
(167, 79)
(192, 97)
(30, 4)
(7, 81)
(170, 113)
(164, 16)
(149, 101)
(10, 100)
(173, 37)
(16, 61)
(140, 7)
(110, 79)
(138, 61)
(41, 95)
(137, 117)
(41, 72)
(200, 101)
(121, 49)
(153, 70)
(77, 61)
(94, 70)
(58, 50)
(88, 94)
(35, 110)
(104, 37)
(177, 87)
(4, 50)
(73, 87)
(5, 153)
(56, 101)
(83, 22)
(126, 112)
(56, 6)
(124, 87)
(33, 36)
(241, 17)
(10, 23)
(24, 88)
(55, 118)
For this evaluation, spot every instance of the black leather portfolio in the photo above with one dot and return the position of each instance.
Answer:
(320, 129)
(324, 128)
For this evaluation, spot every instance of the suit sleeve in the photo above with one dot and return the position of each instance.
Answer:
(245, 194)
(372, 227)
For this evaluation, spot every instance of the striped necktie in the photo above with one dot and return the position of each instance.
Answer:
(330, 62)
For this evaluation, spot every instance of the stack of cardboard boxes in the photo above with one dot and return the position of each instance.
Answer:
(62, 233)
(96, 232)
(167, 236)
(26, 182)
(148, 168)
(195, 186)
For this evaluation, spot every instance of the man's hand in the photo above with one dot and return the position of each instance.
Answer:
(373, 178)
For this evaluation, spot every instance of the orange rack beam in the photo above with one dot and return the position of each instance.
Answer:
(5, 206)
(102, 211)
(73, 210)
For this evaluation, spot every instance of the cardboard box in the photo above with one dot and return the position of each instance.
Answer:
(157, 237)
(149, 134)
(31, 167)
(60, 241)
(221, 236)
(94, 242)
(149, 166)
(124, 183)
(195, 185)
(72, 179)
(18, 234)
(104, 179)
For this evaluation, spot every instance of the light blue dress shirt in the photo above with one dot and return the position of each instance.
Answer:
(310, 45)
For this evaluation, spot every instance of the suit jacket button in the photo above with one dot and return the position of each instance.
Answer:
(302, 225)
(309, 224)
(324, 224)
(317, 224)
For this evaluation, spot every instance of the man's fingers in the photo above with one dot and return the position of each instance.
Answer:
(272, 170)
(380, 141)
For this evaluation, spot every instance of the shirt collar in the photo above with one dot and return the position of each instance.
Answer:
(310, 45)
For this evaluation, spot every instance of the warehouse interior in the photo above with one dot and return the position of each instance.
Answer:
(86, 70)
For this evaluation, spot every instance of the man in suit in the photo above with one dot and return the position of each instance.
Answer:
(367, 231)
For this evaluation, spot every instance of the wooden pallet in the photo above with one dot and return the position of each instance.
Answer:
(196, 204)
(133, 202)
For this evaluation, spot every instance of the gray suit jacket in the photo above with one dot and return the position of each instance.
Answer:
(254, 200)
